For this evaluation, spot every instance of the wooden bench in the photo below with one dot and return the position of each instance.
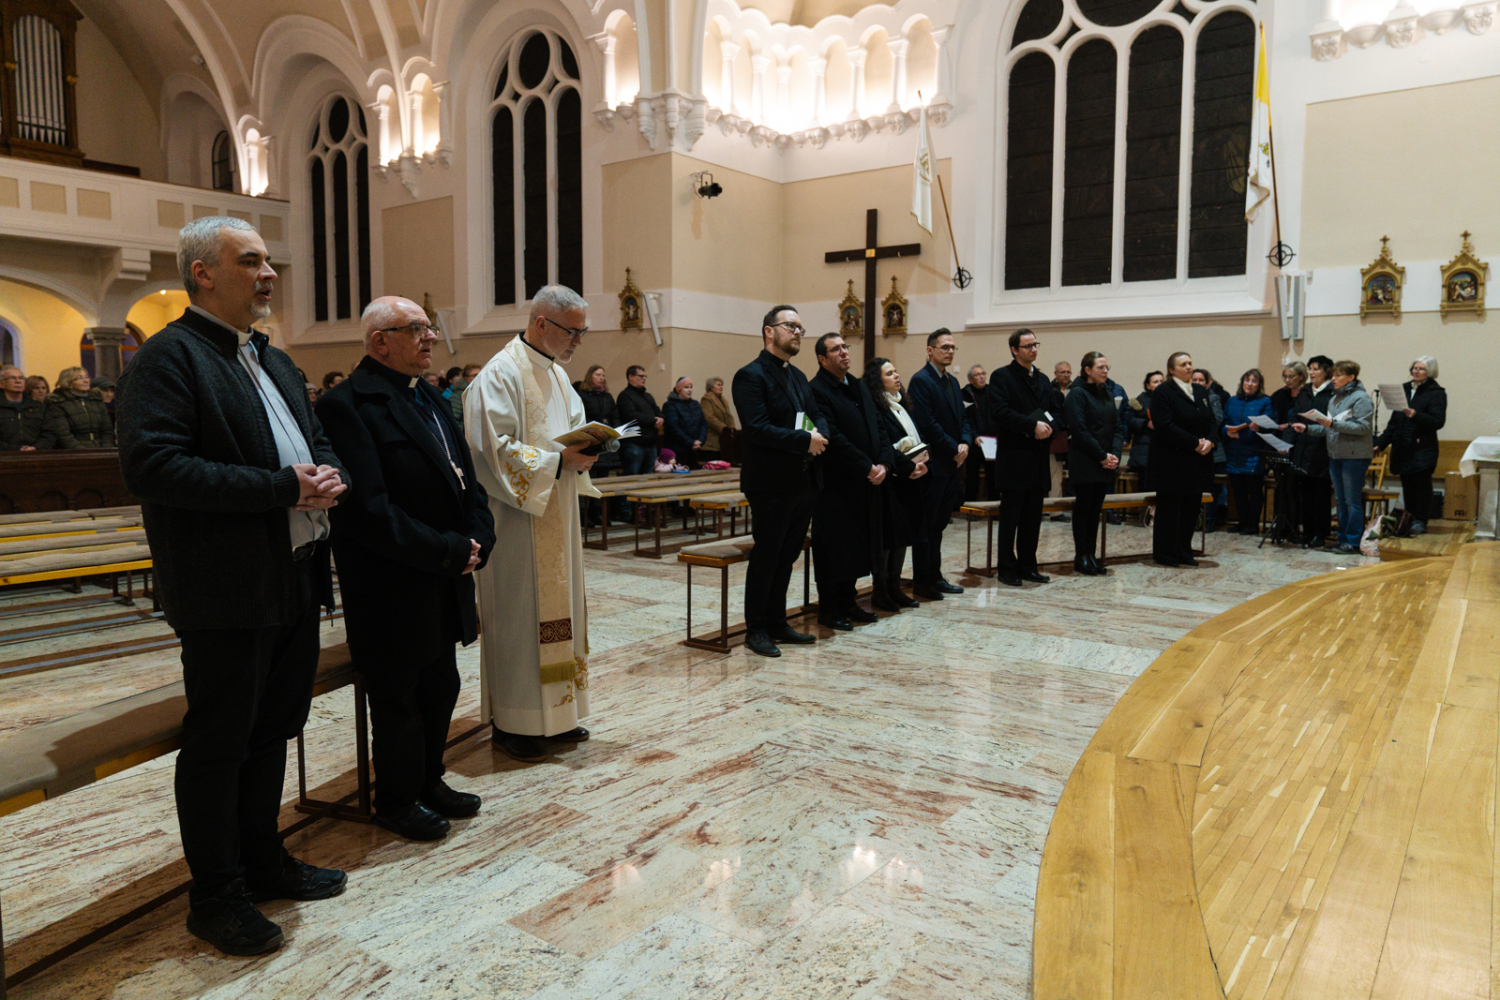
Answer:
(73, 544)
(721, 555)
(618, 486)
(655, 500)
(720, 504)
(988, 511)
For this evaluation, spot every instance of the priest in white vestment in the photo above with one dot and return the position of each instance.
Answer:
(532, 612)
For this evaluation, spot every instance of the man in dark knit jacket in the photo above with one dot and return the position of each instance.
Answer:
(235, 479)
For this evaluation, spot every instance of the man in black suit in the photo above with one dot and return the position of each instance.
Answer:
(235, 478)
(1024, 415)
(413, 532)
(937, 408)
(847, 529)
(974, 410)
(784, 433)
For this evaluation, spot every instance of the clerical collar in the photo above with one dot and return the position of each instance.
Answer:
(536, 348)
(774, 358)
(243, 336)
(397, 380)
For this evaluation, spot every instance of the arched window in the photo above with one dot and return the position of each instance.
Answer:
(8, 341)
(338, 179)
(536, 139)
(223, 163)
(38, 88)
(1165, 216)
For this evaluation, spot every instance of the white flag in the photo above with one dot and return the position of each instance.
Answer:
(921, 176)
(1258, 183)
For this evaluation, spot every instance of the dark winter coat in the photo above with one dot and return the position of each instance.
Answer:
(847, 532)
(639, 405)
(1413, 440)
(901, 494)
(1094, 432)
(1310, 451)
(74, 421)
(1138, 423)
(1243, 453)
(683, 425)
(21, 424)
(1016, 400)
(1176, 466)
(768, 395)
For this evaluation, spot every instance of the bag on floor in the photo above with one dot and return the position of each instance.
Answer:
(1369, 542)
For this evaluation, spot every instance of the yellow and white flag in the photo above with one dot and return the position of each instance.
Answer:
(1258, 184)
(921, 179)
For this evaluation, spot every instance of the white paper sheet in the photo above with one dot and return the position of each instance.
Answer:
(1275, 442)
(1393, 397)
(987, 445)
(1261, 420)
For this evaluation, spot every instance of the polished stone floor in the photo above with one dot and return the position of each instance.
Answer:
(860, 818)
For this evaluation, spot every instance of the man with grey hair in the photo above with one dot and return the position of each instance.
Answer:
(535, 680)
(236, 480)
(20, 415)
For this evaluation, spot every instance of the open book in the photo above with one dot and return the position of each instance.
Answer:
(597, 433)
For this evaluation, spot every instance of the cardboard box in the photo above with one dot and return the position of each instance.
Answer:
(1460, 497)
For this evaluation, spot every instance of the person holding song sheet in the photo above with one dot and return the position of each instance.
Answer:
(901, 493)
(1348, 425)
(1242, 448)
(1411, 434)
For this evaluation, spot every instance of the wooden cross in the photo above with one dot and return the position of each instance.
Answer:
(870, 253)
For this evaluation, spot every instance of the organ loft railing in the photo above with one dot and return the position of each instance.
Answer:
(38, 88)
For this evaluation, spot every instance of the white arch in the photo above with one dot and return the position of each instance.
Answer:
(74, 297)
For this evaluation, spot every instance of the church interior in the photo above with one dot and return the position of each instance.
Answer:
(1159, 782)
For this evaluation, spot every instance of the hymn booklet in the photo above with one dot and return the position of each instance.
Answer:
(596, 433)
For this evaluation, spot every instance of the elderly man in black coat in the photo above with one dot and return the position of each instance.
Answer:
(784, 434)
(1024, 415)
(412, 532)
(236, 480)
(937, 407)
(846, 527)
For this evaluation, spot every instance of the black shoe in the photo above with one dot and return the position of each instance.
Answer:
(859, 615)
(575, 735)
(450, 804)
(785, 633)
(901, 600)
(926, 593)
(416, 823)
(833, 622)
(1081, 565)
(1009, 579)
(1062, 518)
(1187, 561)
(1113, 517)
(1165, 562)
(526, 749)
(295, 880)
(882, 600)
(1034, 577)
(1349, 550)
(759, 642)
(1095, 569)
(948, 588)
(229, 921)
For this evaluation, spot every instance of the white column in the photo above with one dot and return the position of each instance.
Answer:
(418, 137)
(445, 121)
(783, 91)
(857, 88)
(758, 67)
(819, 69)
(730, 52)
(382, 111)
(607, 43)
(942, 83)
(898, 47)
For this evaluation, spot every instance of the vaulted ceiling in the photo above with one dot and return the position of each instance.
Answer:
(806, 12)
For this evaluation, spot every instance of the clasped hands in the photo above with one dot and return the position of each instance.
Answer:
(1043, 430)
(318, 486)
(473, 558)
(1204, 446)
(877, 474)
(1110, 462)
(816, 443)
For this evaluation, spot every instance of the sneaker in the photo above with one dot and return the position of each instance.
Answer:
(229, 921)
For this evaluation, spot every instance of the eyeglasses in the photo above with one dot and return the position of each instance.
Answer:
(418, 330)
(796, 328)
(572, 332)
(1029, 347)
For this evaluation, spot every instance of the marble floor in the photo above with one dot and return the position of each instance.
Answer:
(861, 818)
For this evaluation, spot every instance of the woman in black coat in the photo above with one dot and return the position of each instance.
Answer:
(1138, 422)
(1182, 463)
(598, 407)
(1095, 440)
(901, 496)
(1411, 434)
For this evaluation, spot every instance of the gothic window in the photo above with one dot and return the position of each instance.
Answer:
(536, 141)
(1127, 225)
(339, 182)
(38, 101)
(223, 163)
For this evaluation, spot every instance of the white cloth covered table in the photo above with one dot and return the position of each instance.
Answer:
(1482, 458)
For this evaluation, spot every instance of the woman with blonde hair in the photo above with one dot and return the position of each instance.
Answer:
(77, 416)
(720, 421)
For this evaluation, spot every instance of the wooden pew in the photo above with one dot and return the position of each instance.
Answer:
(618, 486)
(721, 555)
(719, 504)
(656, 498)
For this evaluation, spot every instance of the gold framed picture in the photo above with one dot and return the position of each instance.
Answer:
(1463, 282)
(632, 305)
(893, 311)
(851, 314)
(1380, 285)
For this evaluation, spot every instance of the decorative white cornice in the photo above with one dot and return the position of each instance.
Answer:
(1402, 28)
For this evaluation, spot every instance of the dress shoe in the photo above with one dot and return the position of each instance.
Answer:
(901, 600)
(295, 880)
(1034, 577)
(926, 593)
(859, 615)
(785, 633)
(1081, 565)
(229, 921)
(882, 600)
(449, 804)
(948, 588)
(1009, 579)
(1186, 561)
(835, 623)
(416, 823)
(1160, 561)
(1095, 568)
(575, 735)
(527, 749)
(1062, 518)
(759, 642)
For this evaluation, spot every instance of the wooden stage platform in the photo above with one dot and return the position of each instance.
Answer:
(1296, 800)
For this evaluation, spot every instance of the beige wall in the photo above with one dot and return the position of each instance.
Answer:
(1414, 165)
(637, 226)
(116, 121)
(729, 245)
(51, 330)
(417, 242)
(153, 312)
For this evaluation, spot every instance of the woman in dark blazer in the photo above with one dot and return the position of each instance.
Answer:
(1411, 434)
(1095, 440)
(1182, 464)
(901, 496)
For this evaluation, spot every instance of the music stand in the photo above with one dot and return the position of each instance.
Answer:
(1283, 524)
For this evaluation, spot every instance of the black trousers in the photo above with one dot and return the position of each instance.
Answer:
(1020, 529)
(1417, 487)
(1317, 508)
(411, 706)
(248, 692)
(887, 573)
(939, 496)
(1172, 532)
(780, 528)
(1086, 509)
(1249, 495)
(835, 596)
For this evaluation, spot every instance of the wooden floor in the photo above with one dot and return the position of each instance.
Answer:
(1297, 799)
(1443, 538)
